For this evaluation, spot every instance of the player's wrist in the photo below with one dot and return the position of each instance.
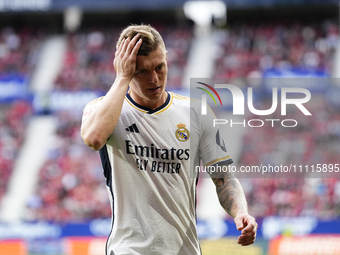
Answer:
(122, 80)
(241, 213)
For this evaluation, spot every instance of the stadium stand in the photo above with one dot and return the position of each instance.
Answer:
(247, 49)
(19, 52)
(71, 184)
(13, 119)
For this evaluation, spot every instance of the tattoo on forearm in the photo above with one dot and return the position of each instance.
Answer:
(230, 194)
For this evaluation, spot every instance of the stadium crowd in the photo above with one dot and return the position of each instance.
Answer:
(13, 120)
(71, 183)
(250, 49)
(19, 52)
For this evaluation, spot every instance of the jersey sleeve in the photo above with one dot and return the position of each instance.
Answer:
(90, 107)
(212, 146)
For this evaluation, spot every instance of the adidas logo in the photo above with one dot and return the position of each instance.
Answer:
(132, 128)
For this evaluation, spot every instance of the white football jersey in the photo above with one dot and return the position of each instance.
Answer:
(148, 163)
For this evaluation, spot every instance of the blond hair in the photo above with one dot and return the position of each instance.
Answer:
(150, 36)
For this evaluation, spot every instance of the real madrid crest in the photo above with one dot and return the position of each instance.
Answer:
(182, 134)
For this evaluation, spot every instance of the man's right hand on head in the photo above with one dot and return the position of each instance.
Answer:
(126, 57)
(104, 117)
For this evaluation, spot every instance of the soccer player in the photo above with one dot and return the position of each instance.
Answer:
(143, 135)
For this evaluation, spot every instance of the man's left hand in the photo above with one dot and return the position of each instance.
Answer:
(248, 226)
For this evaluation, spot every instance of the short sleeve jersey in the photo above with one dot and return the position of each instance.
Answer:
(148, 162)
